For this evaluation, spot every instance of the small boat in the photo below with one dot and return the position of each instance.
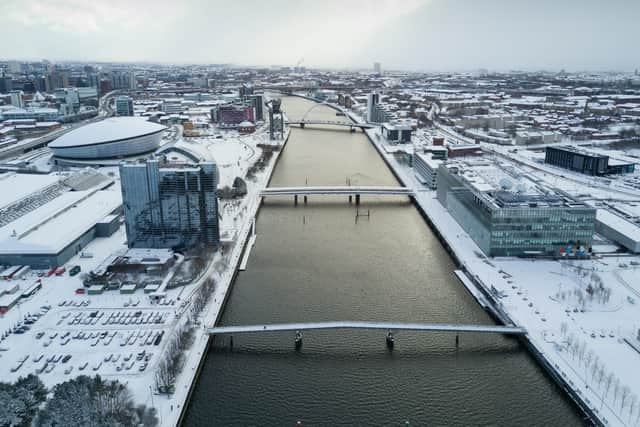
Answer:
(390, 340)
(298, 340)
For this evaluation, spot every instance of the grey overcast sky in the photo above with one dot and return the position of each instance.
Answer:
(401, 34)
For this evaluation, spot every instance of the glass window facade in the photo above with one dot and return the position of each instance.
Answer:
(170, 206)
(527, 230)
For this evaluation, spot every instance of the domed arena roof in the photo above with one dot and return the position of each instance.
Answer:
(115, 137)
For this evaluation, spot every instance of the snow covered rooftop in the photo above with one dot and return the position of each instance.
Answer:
(51, 227)
(627, 228)
(108, 130)
(14, 187)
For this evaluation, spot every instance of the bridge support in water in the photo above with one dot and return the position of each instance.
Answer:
(305, 200)
(295, 200)
(357, 199)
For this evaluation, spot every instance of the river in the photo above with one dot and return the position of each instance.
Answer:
(317, 262)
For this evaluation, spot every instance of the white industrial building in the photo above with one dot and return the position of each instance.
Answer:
(618, 229)
(47, 219)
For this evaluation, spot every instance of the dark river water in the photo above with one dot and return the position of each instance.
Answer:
(316, 262)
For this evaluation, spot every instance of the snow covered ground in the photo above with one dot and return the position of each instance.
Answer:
(116, 335)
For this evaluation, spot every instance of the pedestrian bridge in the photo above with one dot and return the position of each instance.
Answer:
(337, 190)
(352, 125)
(387, 326)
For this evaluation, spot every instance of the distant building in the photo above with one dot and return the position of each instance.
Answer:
(231, 115)
(123, 80)
(523, 222)
(172, 106)
(170, 205)
(124, 106)
(6, 84)
(14, 67)
(246, 127)
(382, 112)
(426, 169)
(17, 98)
(245, 90)
(257, 102)
(586, 162)
(105, 86)
(463, 150)
(68, 96)
(398, 133)
(39, 114)
(377, 68)
(533, 137)
(94, 80)
(372, 99)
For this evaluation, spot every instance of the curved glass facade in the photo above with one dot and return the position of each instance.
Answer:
(170, 206)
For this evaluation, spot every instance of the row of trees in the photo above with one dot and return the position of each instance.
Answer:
(262, 162)
(173, 360)
(82, 401)
(597, 376)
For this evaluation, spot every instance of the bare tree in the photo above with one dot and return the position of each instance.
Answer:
(616, 390)
(624, 394)
(608, 381)
(581, 350)
(593, 368)
(563, 328)
(165, 377)
(601, 374)
(632, 404)
(588, 358)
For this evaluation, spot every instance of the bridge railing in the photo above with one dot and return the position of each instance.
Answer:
(388, 326)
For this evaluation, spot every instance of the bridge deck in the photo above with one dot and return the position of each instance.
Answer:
(393, 326)
(348, 190)
(330, 122)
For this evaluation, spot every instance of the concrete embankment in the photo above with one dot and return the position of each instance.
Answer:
(214, 314)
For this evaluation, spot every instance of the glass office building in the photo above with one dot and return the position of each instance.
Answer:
(168, 205)
(505, 223)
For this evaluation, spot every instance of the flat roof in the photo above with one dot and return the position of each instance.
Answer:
(430, 161)
(105, 131)
(621, 225)
(14, 187)
(53, 226)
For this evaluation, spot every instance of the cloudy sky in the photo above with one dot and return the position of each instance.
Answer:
(402, 34)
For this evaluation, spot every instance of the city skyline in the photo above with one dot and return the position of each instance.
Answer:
(415, 35)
